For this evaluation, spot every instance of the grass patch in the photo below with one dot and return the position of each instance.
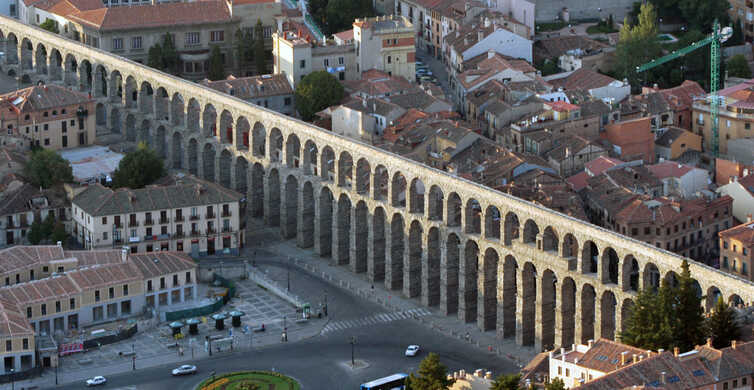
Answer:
(600, 29)
(250, 380)
(543, 27)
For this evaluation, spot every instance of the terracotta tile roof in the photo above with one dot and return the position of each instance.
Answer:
(23, 257)
(578, 181)
(374, 83)
(605, 355)
(581, 78)
(669, 169)
(743, 233)
(490, 67)
(730, 362)
(252, 87)
(557, 46)
(739, 91)
(345, 35)
(43, 97)
(669, 136)
(682, 96)
(156, 15)
(601, 164)
(562, 106)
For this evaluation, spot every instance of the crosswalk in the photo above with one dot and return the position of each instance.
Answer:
(379, 318)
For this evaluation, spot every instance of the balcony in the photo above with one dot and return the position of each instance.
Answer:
(226, 213)
(227, 229)
(210, 215)
(178, 234)
(194, 218)
(164, 220)
(211, 230)
(195, 233)
(179, 218)
(117, 225)
(163, 237)
(148, 222)
(133, 223)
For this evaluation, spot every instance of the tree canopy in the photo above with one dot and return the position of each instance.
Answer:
(45, 168)
(163, 56)
(50, 25)
(506, 382)
(244, 43)
(260, 54)
(138, 168)
(738, 66)
(216, 67)
(555, 384)
(154, 57)
(637, 44)
(315, 92)
(432, 375)
(722, 325)
(340, 14)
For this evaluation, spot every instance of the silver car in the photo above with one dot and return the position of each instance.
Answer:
(185, 369)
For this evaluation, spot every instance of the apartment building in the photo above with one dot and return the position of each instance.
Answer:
(268, 91)
(736, 245)
(385, 43)
(295, 56)
(735, 117)
(49, 290)
(49, 116)
(190, 216)
(742, 11)
(26, 204)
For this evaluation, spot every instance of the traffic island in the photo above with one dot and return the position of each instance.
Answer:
(355, 365)
(249, 380)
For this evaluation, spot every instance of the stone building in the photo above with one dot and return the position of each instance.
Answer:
(191, 216)
(674, 141)
(584, 363)
(735, 117)
(49, 116)
(48, 291)
(268, 91)
(22, 206)
(385, 43)
(742, 192)
(736, 245)
(296, 56)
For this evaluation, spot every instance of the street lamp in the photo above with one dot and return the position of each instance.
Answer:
(289, 273)
(12, 379)
(353, 343)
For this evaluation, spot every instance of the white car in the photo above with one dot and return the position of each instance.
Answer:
(96, 381)
(412, 350)
(185, 369)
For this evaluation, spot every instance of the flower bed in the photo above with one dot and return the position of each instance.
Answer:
(249, 380)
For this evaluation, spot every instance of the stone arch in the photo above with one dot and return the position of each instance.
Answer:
(363, 176)
(343, 254)
(130, 128)
(625, 313)
(589, 257)
(550, 240)
(290, 223)
(416, 196)
(27, 54)
(325, 221)
(177, 145)
(99, 87)
(70, 77)
(40, 59)
(345, 170)
(492, 223)
(177, 109)
(671, 278)
(630, 274)
(713, 294)
(162, 105)
(588, 300)
(257, 191)
(193, 157)
(242, 167)
(208, 162)
(115, 93)
(529, 298)
(398, 190)
(610, 266)
(132, 93)
(378, 245)
(226, 160)
(276, 145)
(226, 128)
(307, 216)
(431, 268)
(412, 273)
(488, 290)
(468, 278)
(144, 133)
(361, 237)
(449, 289)
(531, 230)
(381, 183)
(292, 151)
(508, 309)
(85, 76)
(454, 210)
(607, 315)
(146, 98)
(115, 121)
(394, 273)
(241, 138)
(651, 277)
(310, 158)
(56, 65)
(568, 311)
(258, 140)
(193, 114)
(272, 213)
(209, 121)
(11, 49)
(100, 115)
(327, 165)
(512, 228)
(160, 142)
(435, 201)
(549, 302)
(473, 219)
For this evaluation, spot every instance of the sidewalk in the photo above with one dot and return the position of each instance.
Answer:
(358, 284)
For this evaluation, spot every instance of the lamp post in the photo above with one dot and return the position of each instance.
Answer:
(352, 341)
(56, 371)
(289, 273)
(12, 379)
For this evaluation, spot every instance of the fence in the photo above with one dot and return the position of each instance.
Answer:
(262, 280)
(122, 334)
(18, 376)
(194, 312)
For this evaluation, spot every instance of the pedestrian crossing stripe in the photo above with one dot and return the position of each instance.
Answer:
(375, 319)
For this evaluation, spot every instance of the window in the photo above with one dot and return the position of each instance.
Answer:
(634, 231)
(72, 303)
(175, 280)
(747, 126)
(117, 43)
(125, 289)
(326, 62)
(725, 261)
(568, 372)
(341, 76)
(192, 38)
(162, 282)
(26, 344)
(646, 231)
(287, 101)
(96, 295)
(111, 292)
(725, 245)
(302, 64)
(44, 309)
(217, 36)
(135, 44)
(104, 220)
(104, 236)
(560, 370)
(735, 383)
(8, 343)
(188, 277)
(45, 269)
(267, 32)
(149, 285)
(341, 60)
(57, 306)
(28, 312)
(389, 59)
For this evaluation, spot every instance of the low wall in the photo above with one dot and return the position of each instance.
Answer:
(262, 280)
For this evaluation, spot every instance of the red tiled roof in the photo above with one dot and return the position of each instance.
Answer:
(605, 355)
(561, 106)
(683, 95)
(578, 181)
(669, 169)
(582, 78)
(601, 164)
(345, 35)
(743, 232)
(157, 15)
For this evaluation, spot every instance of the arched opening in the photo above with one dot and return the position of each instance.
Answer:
(193, 113)
(290, 227)
(101, 115)
(242, 167)
(208, 162)
(492, 223)
(713, 294)
(363, 176)
(378, 245)
(607, 315)
(85, 76)
(328, 164)
(226, 128)
(256, 202)
(115, 121)
(130, 128)
(454, 210)
(510, 291)
(488, 297)
(651, 277)
(146, 96)
(570, 246)
(434, 203)
(292, 151)
(528, 315)
(99, 88)
(672, 279)
(550, 240)
(325, 222)
(610, 266)
(209, 121)
(177, 110)
(630, 274)
(468, 274)
(27, 54)
(549, 300)
(381, 179)
(452, 256)
(342, 256)
(56, 66)
(345, 170)
(398, 190)
(193, 157)
(735, 301)
(416, 196)
(625, 313)
(568, 311)
(412, 275)
(225, 161)
(115, 92)
(259, 139)
(161, 105)
(473, 220)
(70, 77)
(11, 49)
(160, 143)
(276, 145)
(589, 255)
(310, 159)
(432, 289)
(587, 313)
(144, 134)
(177, 145)
(394, 275)
(531, 230)
(307, 217)
(272, 214)
(512, 228)
(362, 236)
(40, 60)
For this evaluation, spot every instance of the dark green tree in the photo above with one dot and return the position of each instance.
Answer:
(611, 22)
(340, 14)
(689, 318)
(244, 49)
(647, 325)
(154, 57)
(50, 25)
(35, 234)
(138, 168)
(722, 325)
(548, 66)
(46, 168)
(637, 45)
(432, 375)
(700, 14)
(555, 384)
(58, 233)
(506, 382)
(260, 54)
(738, 66)
(317, 9)
(169, 54)
(317, 91)
(216, 67)
(48, 225)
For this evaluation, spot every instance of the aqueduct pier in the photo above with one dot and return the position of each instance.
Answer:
(511, 266)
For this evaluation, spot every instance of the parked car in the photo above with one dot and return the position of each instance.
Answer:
(96, 381)
(185, 369)
(412, 350)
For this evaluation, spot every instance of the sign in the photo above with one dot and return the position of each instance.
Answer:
(67, 349)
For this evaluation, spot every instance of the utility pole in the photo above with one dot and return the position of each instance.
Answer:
(352, 341)
(288, 263)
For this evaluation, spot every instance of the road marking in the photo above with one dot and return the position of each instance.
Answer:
(374, 319)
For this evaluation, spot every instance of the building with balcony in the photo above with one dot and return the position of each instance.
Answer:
(742, 12)
(24, 205)
(189, 216)
(385, 43)
(296, 54)
(735, 116)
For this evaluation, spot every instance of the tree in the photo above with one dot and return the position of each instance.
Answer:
(50, 25)
(700, 14)
(722, 325)
(216, 67)
(647, 326)
(244, 48)
(506, 382)
(340, 14)
(637, 44)
(46, 168)
(138, 168)
(154, 57)
(432, 375)
(35, 235)
(169, 54)
(738, 66)
(59, 233)
(689, 315)
(317, 9)
(317, 91)
(260, 57)
(555, 384)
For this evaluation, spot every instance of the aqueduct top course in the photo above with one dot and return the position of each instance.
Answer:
(506, 263)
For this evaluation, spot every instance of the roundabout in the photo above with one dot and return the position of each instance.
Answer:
(249, 380)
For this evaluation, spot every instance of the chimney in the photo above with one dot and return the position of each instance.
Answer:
(490, 53)
(733, 344)
(662, 377)
(562, 354)
(623, 358)
(590, 343)
(675, 351)
(709, 342)
(634, 358)
(124, 254)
